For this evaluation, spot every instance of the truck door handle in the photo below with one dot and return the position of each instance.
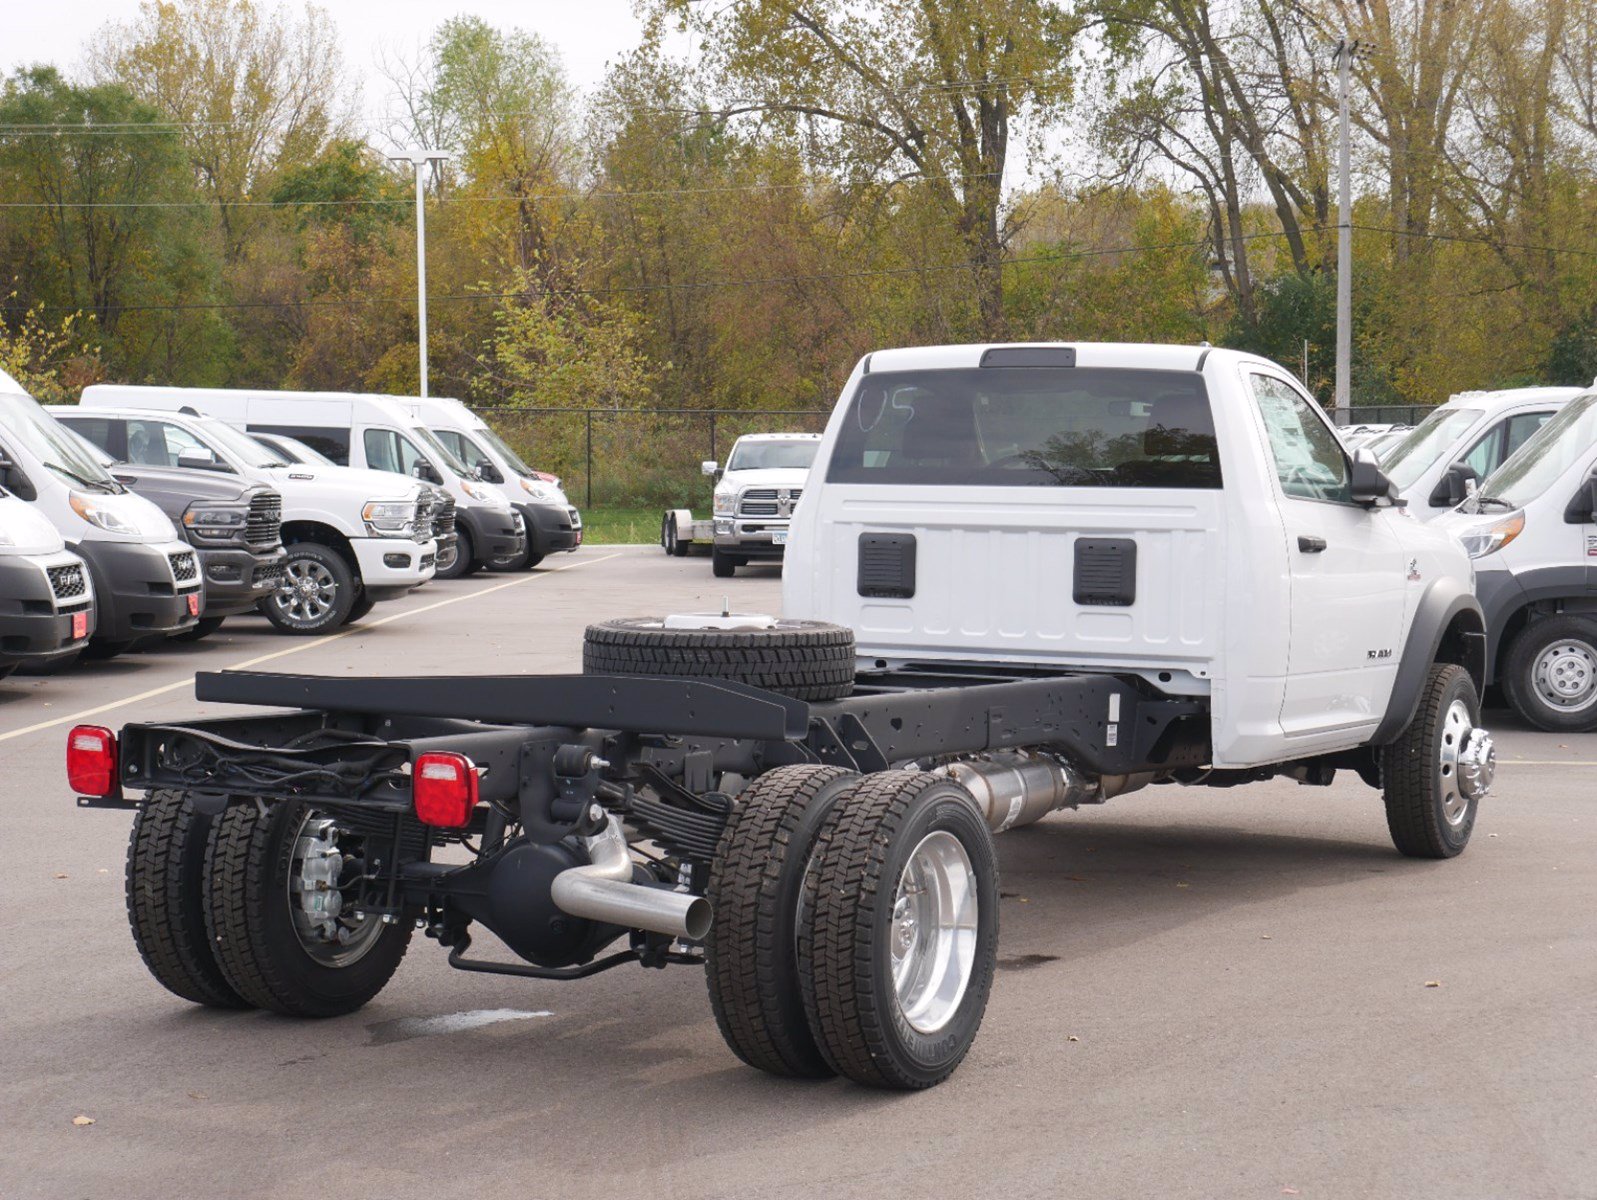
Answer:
(1310, 545)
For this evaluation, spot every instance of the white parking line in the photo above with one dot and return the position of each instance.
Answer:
(74, 718)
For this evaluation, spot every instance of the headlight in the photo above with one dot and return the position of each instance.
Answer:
(478, 492)
(725, 502)
(390, 518)
(212, 522)
(1489, 539)
(540, 491)
(100, 516)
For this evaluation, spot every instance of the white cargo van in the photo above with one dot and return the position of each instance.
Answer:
(146, 579)
(552, 522)
(353, 538)
(1463, 441)
(46, 599)
(377, 433)
(1531, 528)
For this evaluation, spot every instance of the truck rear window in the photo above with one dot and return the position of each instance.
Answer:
(1029, 426)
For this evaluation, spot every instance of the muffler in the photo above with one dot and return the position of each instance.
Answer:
(603, 890)
(1017, 787)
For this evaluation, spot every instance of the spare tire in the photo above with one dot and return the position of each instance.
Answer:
(808, 660)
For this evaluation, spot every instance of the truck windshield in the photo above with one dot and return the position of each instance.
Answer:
(1426, 443)
(773, 455)
(1038, 426)
(58, 448)
(240, 447)
(1552, 450)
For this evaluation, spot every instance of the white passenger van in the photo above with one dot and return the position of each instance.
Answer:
(1531, 528)
(1464, 441)
(353, 538)
(373, 432)
(146, 579)
(552, 522)
(46, 599)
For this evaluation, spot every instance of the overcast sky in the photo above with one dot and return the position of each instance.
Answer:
(588, 32)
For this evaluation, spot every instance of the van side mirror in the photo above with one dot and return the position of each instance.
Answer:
(488, 472)
(710, 468)
(198, 458)
(1367, 483)
(1582, 508)
(15, 481)
(425, 470)
(1461, 481)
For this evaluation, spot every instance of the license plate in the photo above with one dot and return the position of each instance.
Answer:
(80, 625)
(194, 604)
(579, 537)
(779, 537)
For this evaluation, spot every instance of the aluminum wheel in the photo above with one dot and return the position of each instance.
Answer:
(933, 932)
(1565, 675)
(328, 928)
(1456, 729)
(308, 591)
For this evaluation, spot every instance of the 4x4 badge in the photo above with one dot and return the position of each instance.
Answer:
(1413, 570)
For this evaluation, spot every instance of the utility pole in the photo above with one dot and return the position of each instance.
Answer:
(420, 158)
(1345, 50)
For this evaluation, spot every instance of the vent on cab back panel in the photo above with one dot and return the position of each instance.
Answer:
(1106, 571)
(887, 565)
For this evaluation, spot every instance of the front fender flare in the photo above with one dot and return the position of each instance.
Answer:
(1447, 605)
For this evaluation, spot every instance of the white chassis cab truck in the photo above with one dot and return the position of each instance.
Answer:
(1023, 579)
(755, 497)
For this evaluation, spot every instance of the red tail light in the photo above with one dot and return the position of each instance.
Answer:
(443, 788)
(91, 761)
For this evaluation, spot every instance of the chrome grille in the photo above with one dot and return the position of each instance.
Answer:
(768, 502)
(444, 518)
(184, 568)
(263, 525)
(425, 516)
(67, 581)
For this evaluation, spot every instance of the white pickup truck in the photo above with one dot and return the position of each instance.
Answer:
(1023, 579)
(756, 494)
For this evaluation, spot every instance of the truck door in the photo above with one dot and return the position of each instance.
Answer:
(1348, 577)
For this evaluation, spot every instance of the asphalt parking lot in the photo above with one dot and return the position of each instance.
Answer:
(1241, 993)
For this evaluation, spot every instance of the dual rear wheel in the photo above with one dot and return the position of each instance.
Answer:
(857, 929)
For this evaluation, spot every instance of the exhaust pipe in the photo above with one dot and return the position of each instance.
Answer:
(1017, 787)
(603, 891)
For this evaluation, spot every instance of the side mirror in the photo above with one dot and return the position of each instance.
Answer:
(1367, 483)
(1582, 509)
(488, 472)
(198, 458)
(1461, 480)
(15, 481)
(425, 470)
(712, 469)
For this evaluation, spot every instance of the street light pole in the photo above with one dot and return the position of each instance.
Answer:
(420, 158)
(1345, 50)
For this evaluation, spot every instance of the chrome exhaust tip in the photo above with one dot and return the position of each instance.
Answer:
(603, 890)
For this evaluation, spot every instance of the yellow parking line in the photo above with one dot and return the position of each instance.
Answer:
(296, 649)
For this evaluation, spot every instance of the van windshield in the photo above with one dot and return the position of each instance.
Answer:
(773, 455)
(58, 448)
(1553, 449)
(444, 456)
(1425, 443)
(1037, 426)
(512, 460)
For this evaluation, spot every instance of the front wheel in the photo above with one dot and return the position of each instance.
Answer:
(722, 566)
(316, 593)
(203, 628)
(457, 562)
(280, 884)
(899, 932)
(1550, 674)
(1437, 772)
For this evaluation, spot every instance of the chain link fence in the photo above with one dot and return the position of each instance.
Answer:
(638, 458)
(649, 458)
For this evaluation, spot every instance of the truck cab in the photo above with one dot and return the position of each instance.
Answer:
(1531, 529)
(553, 524)
(46, 595)
(145, 578)
(1464, 440)
(1185, 515)
(352, 538)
